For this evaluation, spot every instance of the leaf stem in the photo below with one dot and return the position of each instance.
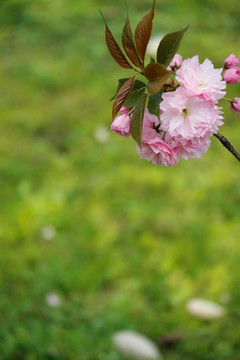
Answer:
(131, 111)
(227, 99)
(227, 145)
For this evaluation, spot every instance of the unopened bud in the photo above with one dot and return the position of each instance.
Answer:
(121, 124)
(231, 61)
(232, 75)
(235, 105)
(175, 63)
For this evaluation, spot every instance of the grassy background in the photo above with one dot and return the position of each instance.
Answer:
(134, 242)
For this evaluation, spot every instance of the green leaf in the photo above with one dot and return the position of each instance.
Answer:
(133, 97)
(169, 46)
(137, 119)
(152, 60)
(137, 91)
(154, 102)
(136, 86)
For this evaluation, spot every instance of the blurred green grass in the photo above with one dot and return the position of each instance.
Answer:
(133, 241)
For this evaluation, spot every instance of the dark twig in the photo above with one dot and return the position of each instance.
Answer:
(227, 145)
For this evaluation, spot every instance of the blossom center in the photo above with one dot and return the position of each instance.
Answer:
(185, 112)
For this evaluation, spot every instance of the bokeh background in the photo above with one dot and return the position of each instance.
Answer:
(93, 239)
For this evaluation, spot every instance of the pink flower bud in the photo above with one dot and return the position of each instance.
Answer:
(232, 75)
(124, 110)
(121, 125)
(231, 61)
(175, 63)
(235, 105)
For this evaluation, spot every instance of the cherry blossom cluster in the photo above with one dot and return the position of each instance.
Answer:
(189, 111)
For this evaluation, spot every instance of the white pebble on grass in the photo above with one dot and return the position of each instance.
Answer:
(101, 134)
(53, 300)
(135, 346)
(205, 309)
(48, 232)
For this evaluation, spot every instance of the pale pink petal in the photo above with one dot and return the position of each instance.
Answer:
(188, 117)
(201, 80)
(158, 151)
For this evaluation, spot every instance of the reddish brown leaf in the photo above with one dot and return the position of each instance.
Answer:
(154, 71)
(122, 95)
(114, 48)
(157, 75)
(129, 44)
(143, 32)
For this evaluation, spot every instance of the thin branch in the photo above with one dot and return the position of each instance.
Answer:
(227, 145)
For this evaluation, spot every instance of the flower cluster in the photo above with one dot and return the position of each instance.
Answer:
(172, 113)
(189, 112)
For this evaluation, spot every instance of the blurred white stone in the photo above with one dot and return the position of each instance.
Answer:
(101, 134)
(205, 309)
(48, 232)
(153, 44)
(53, 300)
(135, 346)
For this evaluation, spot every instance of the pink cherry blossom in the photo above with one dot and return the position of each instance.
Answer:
(201, 80)
(150, 124)
(235, 105)
(231, 61)
(154, 148)
(232, 75)
(158, 151)
(188, 116)
(175, 63)
(191, 148)
(122, 125)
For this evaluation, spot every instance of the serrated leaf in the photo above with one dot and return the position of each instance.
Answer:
(136, 86)
(114, 48)
(120, 84)
(154, 102)
(122, 95)
(157, 75)
(134, 96)
(143, 32)
(129, 44)
(137, 119)
(169, 46)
